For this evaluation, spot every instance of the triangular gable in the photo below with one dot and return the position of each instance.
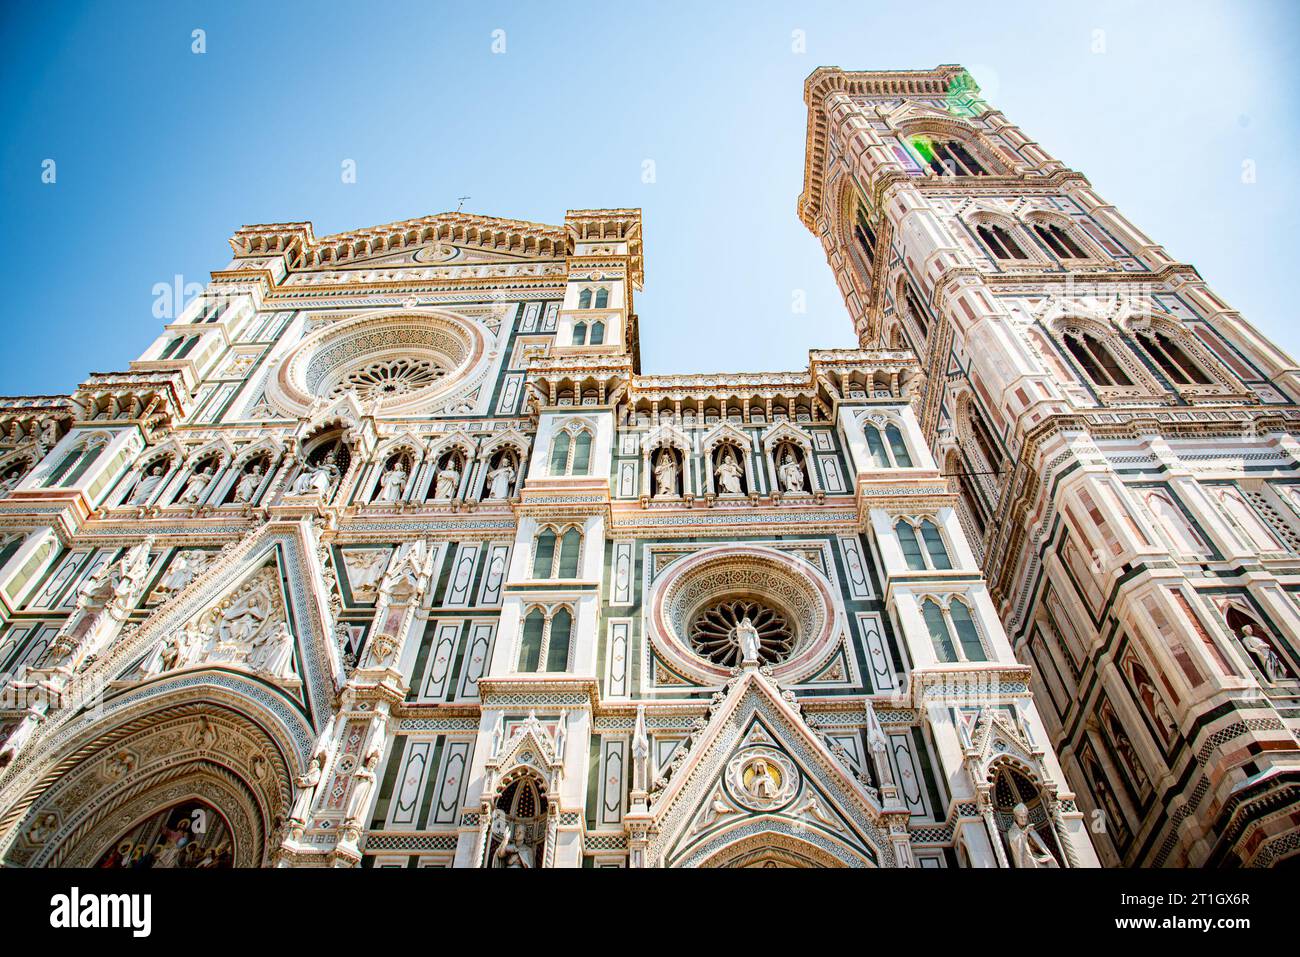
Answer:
(757, 768)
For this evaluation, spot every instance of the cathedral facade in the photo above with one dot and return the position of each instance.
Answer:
(385, 553)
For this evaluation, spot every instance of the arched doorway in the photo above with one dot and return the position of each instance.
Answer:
(189, 834)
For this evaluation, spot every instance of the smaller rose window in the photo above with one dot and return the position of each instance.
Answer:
(713, 632)
(393, 377)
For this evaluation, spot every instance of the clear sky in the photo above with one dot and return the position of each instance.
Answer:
(161, 153)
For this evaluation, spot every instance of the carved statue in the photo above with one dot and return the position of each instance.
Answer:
(146, 486)
(666, 475)
(363, 784)
(392, 483)
(447, 482)
(514, 850)
(183, 569)
(272, 652)
(247, 485)
(364, 570)
(1269, 662)
(307, 790)
(791, 474)
(10, 481)
(195, 487)
(242, 619)
(49, 433)
(747, 639)
(500, 480)
(1027, 848)
(317, 479)
(763, 784)
(729, 474)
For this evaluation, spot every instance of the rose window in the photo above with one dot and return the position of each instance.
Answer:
(387, 379)
(713, 632)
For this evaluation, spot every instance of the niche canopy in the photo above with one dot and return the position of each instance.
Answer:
(400, 362)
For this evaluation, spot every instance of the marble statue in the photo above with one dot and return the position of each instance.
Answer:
(247, 485)
(514, 850)
(729, 474)
(791, 475)
(146, 486)
(666, 475)
(500, 480)
(447, 482)
(272, 651)
(1027, 848)
(307, 784)
(747, 639)
(1268, 659)
(317, 479)
(392, 484)
(363, 784)
(196, 486)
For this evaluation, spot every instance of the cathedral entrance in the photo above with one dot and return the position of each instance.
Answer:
(772, 850)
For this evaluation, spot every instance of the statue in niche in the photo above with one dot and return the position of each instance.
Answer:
(307, 784)
(1028, 850)
(248, 484)
(448, 480)
(747, 639)
(392, 483)
(791, 474)
(145, 487)
(363, 784)
(729, 474)
(514, 850)
(501, 479)
(666, 475)
(317, 479)
(196, 486)
(1269, 662)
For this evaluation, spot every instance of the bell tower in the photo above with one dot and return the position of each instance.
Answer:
(1123, 445)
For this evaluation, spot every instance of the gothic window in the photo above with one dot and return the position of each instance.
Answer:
(1173, 524)
(602, 298)
(984, 439)
(1096, 359)
(953, 631)
(948, 157)
(530, 645)
(865, 235)
(1000, 242)
(1059, 241)
(74, 465)
(888, 448)
(546, 638)
(584, 299)
(915, 310)
(1251, 526)
(923, 546)
(571, 453)
(210, 312)
(579, 333)
(597, 333)
(1173, 360)
(556, 555)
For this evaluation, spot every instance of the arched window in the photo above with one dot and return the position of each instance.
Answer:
(557, 644)
(560, 453)
(945, 624)
(530, 644)
(602, 298)
(915, 310)
(544, 554)
(584, 299)
(1059, 241)
(172, 346)
(923, 546)
(1173, 360)
(865, 235)
(1095, 359)
(190, 343)
(579, 333)
(947, 157)
(581, 454)
(1000, 242)
(895, 455)
(557, 555)
(597, 333)
(984, 439)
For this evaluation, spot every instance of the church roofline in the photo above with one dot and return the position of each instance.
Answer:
(299, 241)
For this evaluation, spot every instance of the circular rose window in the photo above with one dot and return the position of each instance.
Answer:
(698, 603)
(713, 632)
(404, 362)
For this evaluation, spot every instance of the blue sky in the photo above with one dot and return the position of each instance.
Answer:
(162, 153)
